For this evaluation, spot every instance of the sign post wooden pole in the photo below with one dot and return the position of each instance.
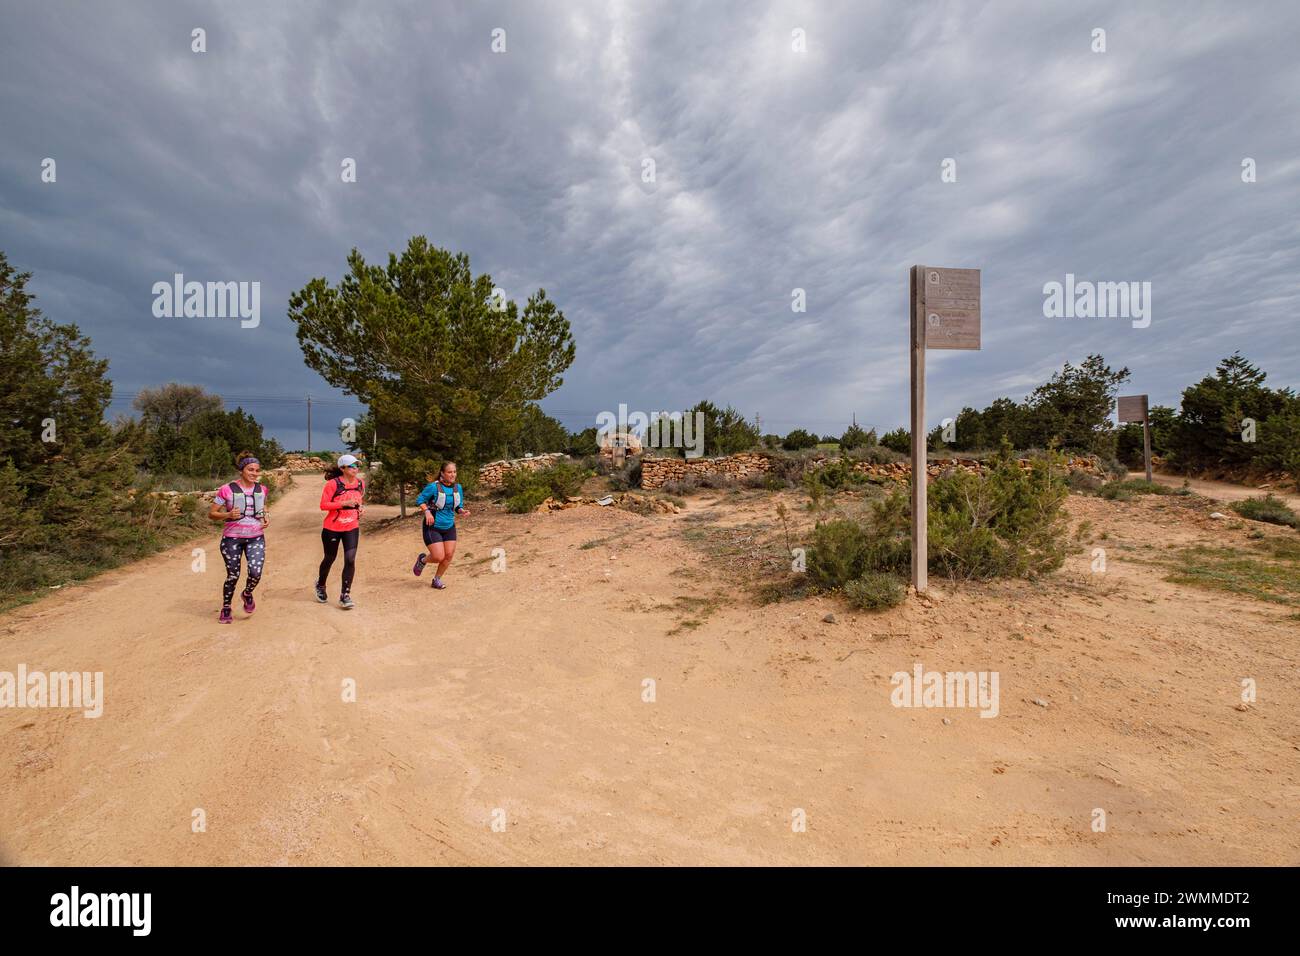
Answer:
(1146, 445)
(920, 544)
(945, 315)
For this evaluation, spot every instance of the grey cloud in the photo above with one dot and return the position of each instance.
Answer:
(775, 170)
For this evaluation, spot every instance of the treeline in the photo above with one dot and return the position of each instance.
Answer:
(1071, 410)
(1229, 422)
(72, 474)
(185, 430)
(726, 432)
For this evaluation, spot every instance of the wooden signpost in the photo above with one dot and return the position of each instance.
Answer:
(945, 315)
(1133, 408)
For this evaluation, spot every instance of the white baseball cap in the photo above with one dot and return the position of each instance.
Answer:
(347, 461)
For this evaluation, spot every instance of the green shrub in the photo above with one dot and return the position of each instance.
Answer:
(843, 550)
(875, 591)
(621, 479)
(717, 481)
(1081, 481)
(525, 489)
(798, 440)
(899, 440)
(526, 499)
(786, 471)
(835, 474)
(838, 553)
(1007, 522)
(681, 486)
(381, 487)
(1115, 468)
(1125, 490)
(876, 454)
(1269, 508)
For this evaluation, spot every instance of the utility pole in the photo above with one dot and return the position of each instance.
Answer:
(309, 424)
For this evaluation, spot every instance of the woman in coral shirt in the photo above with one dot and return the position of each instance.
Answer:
(341, 500)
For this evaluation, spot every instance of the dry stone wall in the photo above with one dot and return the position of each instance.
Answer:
(655, 472)
(296, 462)
(493, 474)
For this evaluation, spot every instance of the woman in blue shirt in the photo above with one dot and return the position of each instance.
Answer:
(441, 500)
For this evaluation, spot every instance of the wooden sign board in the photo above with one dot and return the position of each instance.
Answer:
(1132, 408)
(950, 302)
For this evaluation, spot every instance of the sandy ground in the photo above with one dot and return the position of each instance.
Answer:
(518, 698)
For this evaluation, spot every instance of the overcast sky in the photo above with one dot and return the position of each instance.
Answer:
(775, 169)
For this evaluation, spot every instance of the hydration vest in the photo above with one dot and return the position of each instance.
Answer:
(440, 499)
(340, 487)
(240, 501)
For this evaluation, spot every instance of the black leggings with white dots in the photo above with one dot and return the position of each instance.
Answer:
(231, 550)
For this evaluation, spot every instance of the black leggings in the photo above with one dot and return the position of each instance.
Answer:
(330, 539)
(231, 550)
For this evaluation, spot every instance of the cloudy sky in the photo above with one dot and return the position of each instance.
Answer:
(774, 169)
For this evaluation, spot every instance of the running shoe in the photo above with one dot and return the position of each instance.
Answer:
(437, 583)
(419, 566)
(345, 602)
(226, 617)
(249, 606)
(320, 594)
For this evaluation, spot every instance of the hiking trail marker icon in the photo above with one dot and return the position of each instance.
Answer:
(945, 315)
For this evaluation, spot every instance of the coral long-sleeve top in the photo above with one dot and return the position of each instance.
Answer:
(337, 517)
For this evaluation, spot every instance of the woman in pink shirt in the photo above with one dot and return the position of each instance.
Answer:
(341, 500)
(242, 506)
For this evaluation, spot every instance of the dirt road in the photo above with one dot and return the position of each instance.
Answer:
(1219, 490)
(520, 699)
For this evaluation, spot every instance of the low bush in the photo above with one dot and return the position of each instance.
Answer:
(876, 454)
(1125, 490)
(621, 479)
(681, 486)
(835, 475)
(1006, 522)
(525, 489)
(899, 440)
(1081, 481)
(843, 550)
(875, 591)
(717, 481)
(1269, 508)
(381, 489)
